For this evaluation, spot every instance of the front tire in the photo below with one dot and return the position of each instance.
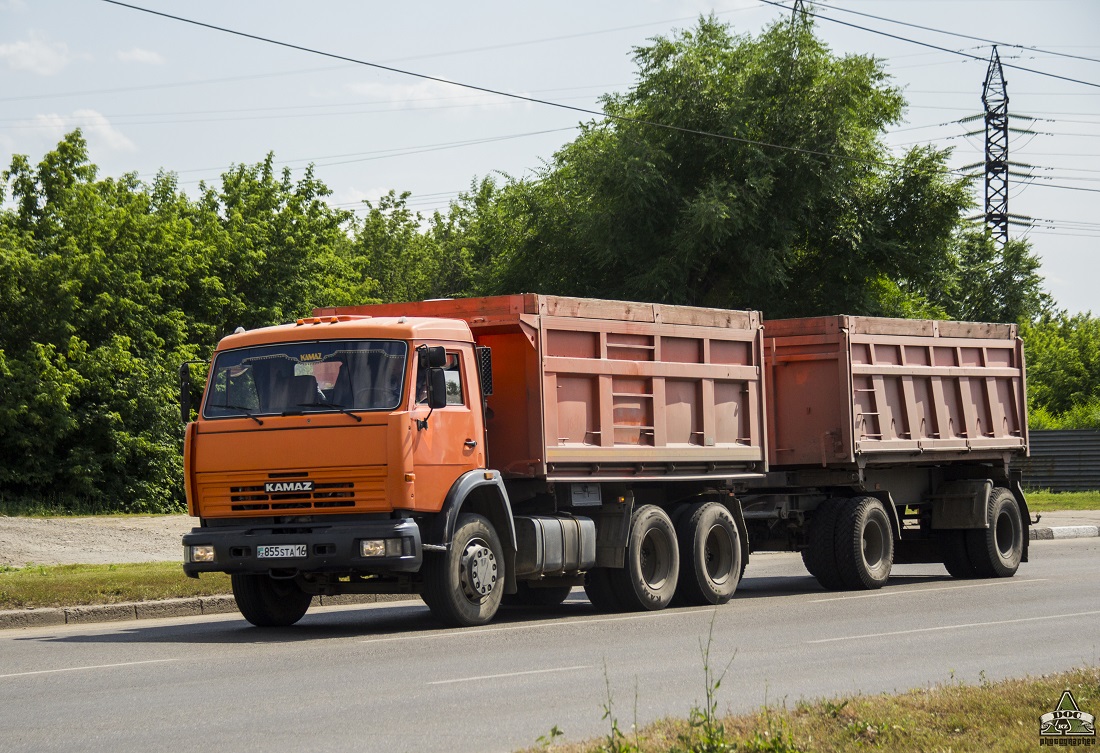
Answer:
(463, 586)
(710, 548)
(648, 579)
(267, 602)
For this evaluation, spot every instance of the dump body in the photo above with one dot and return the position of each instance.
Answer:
(592, 390)
(852, 390)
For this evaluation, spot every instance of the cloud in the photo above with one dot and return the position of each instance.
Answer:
(425, 94)
(138, 55)
(36, 55)
(96, 127)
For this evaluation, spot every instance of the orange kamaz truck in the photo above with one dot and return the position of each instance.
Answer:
(507, 449)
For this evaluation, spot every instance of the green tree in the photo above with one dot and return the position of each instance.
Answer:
(810, 224)
(1063, 370)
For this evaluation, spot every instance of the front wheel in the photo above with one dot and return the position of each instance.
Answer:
(652, 567)
(464, 585)
(267, 602)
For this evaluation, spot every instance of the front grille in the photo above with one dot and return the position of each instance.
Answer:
(332, 489)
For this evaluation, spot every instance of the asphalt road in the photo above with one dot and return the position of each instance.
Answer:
(386, 678)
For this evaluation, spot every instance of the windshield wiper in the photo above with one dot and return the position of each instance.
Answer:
(247, 411)
(315, 404)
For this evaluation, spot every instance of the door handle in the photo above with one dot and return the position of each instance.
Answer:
(471, 443)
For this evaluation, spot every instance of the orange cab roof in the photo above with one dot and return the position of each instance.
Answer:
(352, 328)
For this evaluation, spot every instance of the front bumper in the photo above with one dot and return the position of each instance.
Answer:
(330, 547)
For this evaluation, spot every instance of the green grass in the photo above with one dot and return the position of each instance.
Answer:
(1002, 716)
(77, 585)
(1042, 500)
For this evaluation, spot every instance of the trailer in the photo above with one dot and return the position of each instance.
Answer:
(507, 449)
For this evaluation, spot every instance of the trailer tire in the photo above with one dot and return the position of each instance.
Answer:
(820, 554)
(267, 602)
(601, 591)
(995, 552)
(528, 596)
(864, 544)
(463, 586)
(647, 581)
(710, 551)
(956, 558)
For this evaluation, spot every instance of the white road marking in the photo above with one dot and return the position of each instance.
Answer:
(903, 591)
(563, 623)
(955, 627)
(79, 669)
(510, 674)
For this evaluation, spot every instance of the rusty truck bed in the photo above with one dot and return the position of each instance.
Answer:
(844, 390)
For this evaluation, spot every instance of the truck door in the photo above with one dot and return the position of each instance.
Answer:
(452, 443)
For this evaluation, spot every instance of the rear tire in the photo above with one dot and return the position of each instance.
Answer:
(995, 552)
(652, 567)
(267, 602)
(956, 558)
(820, 554)
(864, 544)
(710, 550)
(464, 585)
(600, 591)
(527, 595)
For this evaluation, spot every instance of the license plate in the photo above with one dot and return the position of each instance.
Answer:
(281, 551)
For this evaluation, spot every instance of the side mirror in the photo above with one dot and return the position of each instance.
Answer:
(185, 391)
(437, 388)
(433, 357)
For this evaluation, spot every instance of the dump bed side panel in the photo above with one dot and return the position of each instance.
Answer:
(881, 390)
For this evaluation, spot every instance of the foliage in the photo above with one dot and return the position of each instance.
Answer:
(108, 284)
(795, 208)
(1063, 368)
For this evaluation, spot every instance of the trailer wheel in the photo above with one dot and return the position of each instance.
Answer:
(600, 590)
(267, 602)
(995, 552)
(464, 585)
(710, 548)
(864, 544)
(648, 579)
(820, 554)
(528, 596)
(956, 558)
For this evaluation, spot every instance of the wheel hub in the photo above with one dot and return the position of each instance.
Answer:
(479, 570)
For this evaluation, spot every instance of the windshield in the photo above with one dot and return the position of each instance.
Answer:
(311, 376)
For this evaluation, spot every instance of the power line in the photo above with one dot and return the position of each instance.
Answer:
(917, 42)
(962, 36)
(496, 92)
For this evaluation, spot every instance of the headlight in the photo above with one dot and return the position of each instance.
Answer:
(380, 548)
(200, 553)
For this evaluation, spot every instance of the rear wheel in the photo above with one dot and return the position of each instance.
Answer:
(710, 550)
(267, 602)
(527, 595)
(648, 578)
(600, 590)
(956, 558)
(464, 585)
(864, 544)
(820, 554)
(995, 552)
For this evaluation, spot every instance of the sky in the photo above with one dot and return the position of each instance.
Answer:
(153, 94)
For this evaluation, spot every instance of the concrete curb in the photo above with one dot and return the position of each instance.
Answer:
(1045, 533)
(151, 610)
